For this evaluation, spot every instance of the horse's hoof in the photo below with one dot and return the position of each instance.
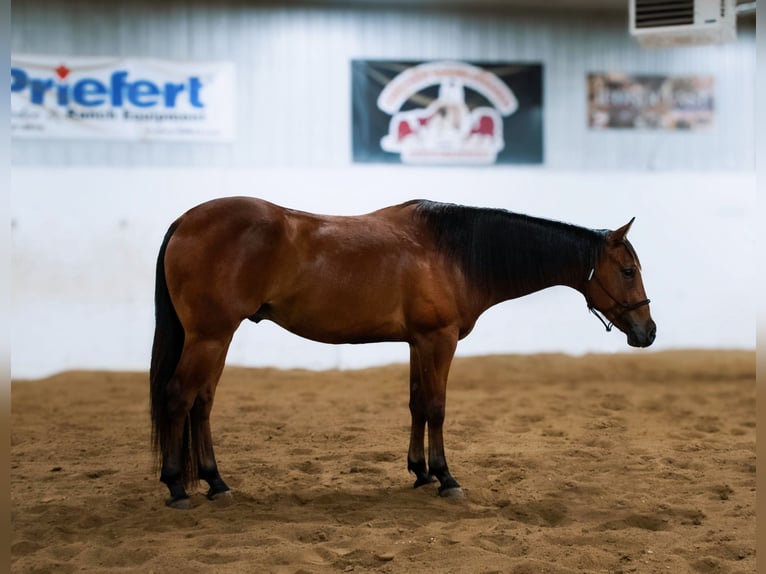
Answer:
(222, 498)
(179, 503)
(423, 481)
(454, 492)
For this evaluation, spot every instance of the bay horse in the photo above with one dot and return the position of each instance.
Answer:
(421, 272)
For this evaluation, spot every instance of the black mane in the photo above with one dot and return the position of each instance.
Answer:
(499, 249)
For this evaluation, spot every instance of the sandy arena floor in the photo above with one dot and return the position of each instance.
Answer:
(641, 462)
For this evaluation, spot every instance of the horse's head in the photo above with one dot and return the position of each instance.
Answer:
(615, 289)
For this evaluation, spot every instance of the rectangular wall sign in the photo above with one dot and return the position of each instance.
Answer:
(447, 112)
(63, 97)
(621, 101)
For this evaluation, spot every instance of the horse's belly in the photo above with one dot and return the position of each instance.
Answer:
(337, 333)
(339, 322)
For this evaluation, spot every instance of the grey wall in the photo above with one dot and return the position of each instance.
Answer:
(293, 68)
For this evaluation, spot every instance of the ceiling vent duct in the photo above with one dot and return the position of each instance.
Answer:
(670, 23)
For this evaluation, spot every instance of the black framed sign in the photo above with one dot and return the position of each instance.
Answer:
(447, 112)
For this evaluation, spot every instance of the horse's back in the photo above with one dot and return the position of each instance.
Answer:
(246, 211)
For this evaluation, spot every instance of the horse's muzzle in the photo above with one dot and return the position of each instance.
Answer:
(642, 336)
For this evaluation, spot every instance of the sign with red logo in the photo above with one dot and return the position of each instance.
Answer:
(446, 112)
(104, 98)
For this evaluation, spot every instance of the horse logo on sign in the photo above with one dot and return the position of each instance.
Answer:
(446, 130)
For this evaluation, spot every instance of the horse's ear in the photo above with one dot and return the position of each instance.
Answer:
(619, 235)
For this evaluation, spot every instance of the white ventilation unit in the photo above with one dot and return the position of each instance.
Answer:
(668, 23)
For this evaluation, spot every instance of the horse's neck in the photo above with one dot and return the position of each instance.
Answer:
(504, 255)
(562, 255)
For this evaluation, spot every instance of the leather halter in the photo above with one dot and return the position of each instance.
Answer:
(624, 307)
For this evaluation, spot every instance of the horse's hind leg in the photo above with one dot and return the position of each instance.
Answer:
(175, 440)
(187, 453)
(200, 424)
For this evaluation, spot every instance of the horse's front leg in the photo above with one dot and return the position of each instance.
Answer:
(416, 456)
(435, 351)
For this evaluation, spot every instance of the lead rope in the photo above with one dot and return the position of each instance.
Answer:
(607, 325)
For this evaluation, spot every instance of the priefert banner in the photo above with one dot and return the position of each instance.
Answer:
(62, 97)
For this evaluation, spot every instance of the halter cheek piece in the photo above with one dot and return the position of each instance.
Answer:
(624, 307)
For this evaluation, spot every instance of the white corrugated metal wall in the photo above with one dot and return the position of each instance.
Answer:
(293, 66)
(88, 217)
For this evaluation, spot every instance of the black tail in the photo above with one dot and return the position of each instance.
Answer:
(166, 352)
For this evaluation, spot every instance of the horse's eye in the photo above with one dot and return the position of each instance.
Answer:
(630, 272)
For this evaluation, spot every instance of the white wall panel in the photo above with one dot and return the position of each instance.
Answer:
(293, 66)
(83, 260)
